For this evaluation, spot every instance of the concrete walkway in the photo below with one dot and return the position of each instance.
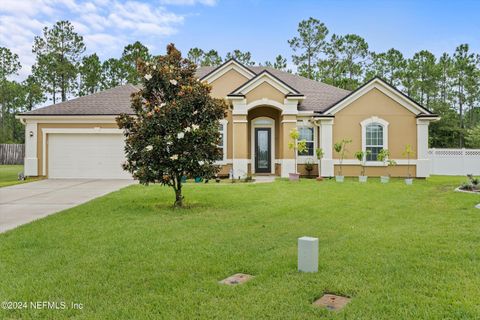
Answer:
(26, 202)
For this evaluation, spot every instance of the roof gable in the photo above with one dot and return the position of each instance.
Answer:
(385, 88)
(266, 77)
(225, 67)
(265, 91)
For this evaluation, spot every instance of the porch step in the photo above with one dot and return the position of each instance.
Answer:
(264, 179)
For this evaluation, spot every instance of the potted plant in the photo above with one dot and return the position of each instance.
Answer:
(383, 157)
(361, 156)
(319, 153)
(408, 152)
(297, 146)
(340, 148)
(309, 167)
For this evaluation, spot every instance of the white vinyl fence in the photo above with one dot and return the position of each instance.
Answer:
(454, 162)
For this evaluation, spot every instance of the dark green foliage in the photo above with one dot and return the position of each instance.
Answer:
(114, 73)
(15, 97)
(132, 54)
(244, 58)
(309, 44)
(58, 53)
(449, 85)
(175, 129)
(90, 75)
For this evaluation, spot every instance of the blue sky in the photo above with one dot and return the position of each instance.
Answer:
(261, 27)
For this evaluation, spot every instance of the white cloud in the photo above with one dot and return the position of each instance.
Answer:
(189, 2)
(106, 25)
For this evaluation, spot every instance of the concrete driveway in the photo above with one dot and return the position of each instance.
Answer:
(26, 202)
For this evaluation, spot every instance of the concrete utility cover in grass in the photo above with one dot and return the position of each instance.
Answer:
(332, 302)
(477, 206)
(238, 278)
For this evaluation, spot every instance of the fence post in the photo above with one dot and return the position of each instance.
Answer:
(432, 161)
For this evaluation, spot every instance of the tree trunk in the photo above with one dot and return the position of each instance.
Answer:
(462, 126)
(178, 194)
(63, 89)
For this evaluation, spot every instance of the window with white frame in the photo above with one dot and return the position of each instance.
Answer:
(307, 133)
(222, 129)
(374, 141)
(374, 137)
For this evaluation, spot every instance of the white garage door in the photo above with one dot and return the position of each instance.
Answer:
(86, 156)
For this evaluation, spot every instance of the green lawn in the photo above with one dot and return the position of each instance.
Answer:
(9, 175)
(400, 252)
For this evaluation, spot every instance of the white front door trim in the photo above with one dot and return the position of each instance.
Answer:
(263, 122)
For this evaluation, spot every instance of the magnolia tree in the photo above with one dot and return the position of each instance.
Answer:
(174, 129)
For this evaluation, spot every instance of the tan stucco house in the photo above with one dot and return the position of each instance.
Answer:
(80, 139)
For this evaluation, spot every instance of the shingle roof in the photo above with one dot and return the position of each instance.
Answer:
(109, 102)
(318, 96)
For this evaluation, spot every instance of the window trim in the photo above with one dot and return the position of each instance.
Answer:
(381, 122)
(224, 123)
(307, 124)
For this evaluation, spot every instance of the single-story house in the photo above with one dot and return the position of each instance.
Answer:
(79, 138)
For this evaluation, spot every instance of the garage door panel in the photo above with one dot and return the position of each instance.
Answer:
(86, 156)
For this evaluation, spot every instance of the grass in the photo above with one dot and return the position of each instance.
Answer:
(400, 252)
(9, 175)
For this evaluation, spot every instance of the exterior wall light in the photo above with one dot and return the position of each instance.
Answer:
(30, 133)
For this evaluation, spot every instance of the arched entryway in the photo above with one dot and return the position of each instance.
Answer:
(263, 137)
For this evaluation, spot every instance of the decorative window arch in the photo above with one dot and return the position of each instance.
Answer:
(374, 136)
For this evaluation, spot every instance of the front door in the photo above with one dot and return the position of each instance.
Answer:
(263, 150)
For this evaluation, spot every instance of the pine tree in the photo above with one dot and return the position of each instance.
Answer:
(196, 55)
(114, 73)
(244, 58)
(331, 68)
(90, 75)
(387, 65)
(33, 93)
(310, 44)
(463, 77)
(58, 53)
(426, 75)
(354, 51)
(9, 65)
(211, 58)
(132, 53)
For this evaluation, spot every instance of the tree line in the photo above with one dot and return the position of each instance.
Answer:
(448, 85)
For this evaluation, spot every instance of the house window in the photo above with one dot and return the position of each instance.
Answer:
(374, 141)
(374, 137)
(306, 133)
(222, 129)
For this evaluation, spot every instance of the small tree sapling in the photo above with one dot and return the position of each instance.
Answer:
(298, 147)
(341, 148)
(319, 153)
(409, 153)
(362, 157)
